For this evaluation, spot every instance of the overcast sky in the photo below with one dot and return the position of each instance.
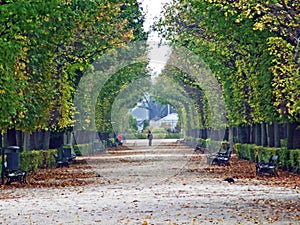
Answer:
(152, 8)
(158, 55)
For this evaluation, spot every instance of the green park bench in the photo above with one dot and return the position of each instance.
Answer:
(269, 167)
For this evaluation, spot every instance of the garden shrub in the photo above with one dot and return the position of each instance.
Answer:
(32, 160)
(294, 161)
(288, 159)
(83, 149)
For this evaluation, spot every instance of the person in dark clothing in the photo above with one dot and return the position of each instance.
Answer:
(150, 137)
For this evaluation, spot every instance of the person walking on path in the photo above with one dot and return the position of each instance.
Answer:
(150, 137)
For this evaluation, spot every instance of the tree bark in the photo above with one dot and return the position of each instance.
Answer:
(264, 140)
(231, 138)
(257, 134)
(26, 141)
(46, 140)
(289, 132)
(251, 135)
(242, 134)
(271, 135)
(296, 135)
(276, 135)
(19, 138)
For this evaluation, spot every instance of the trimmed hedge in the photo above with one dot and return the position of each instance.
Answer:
(83, 149)
(32, 160)
(288, 159)
(207, 143)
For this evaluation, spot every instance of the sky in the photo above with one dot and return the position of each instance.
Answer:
(159, 54)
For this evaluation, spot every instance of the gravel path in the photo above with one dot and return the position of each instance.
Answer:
(150, 188)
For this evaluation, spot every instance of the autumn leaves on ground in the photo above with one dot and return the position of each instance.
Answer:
(163, 184)
(81, 173)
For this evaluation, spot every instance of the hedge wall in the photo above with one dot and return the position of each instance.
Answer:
(211, 145)
(32, 160)
(288, 159)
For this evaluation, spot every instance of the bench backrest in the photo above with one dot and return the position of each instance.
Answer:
(226, 152)
(273, 160)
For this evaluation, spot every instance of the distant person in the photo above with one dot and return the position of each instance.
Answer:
(120, 139)
(150, 137)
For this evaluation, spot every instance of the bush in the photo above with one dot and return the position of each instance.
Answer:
(83, 149)
(32, 160)
(288, 159)
(173, 135)
(294, 161)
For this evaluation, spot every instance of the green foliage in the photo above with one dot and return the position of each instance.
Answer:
(173, 136)
(30, 161)
(250, 46)
(132, 123)
(288, 159)
(294, 161)
(116, 85)
(146, 125)
(83, 149)
(46, 46)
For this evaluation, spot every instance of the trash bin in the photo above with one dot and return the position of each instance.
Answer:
(12, 158)
(67, 149)
(68, 152)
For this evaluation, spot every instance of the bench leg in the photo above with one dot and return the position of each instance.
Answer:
(17, 178)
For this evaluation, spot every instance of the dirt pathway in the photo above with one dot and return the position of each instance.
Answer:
(165, 184)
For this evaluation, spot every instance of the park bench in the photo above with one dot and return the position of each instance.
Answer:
(221, 158)
(64, 156)
(11, 165)
(15, 176)
(118, 142)
(200, 148)
(61, 161)
(181, 141)
(268, 167)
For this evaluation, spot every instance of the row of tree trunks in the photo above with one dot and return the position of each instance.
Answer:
(28, 141)
(43, 140)
(263, 134)
(268, 135)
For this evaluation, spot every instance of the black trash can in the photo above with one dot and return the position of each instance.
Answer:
(12, 158)
(68, 152)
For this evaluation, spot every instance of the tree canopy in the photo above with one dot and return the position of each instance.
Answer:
(46, 46)
(252, 48)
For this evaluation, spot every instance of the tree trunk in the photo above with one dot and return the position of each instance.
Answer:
(235, 135)
(264, 140)
(56, 140)
(230, 138)
(26, 141)
(257, 134)
(276, 135)
(271, 135)
(35, 140)
(226, 134)
(204, 133)
(68, 137)
(251, 135)
(242, 134)
(289, 132)
(296, 132)
(10, 137)
(46, 140)
(19, 138)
